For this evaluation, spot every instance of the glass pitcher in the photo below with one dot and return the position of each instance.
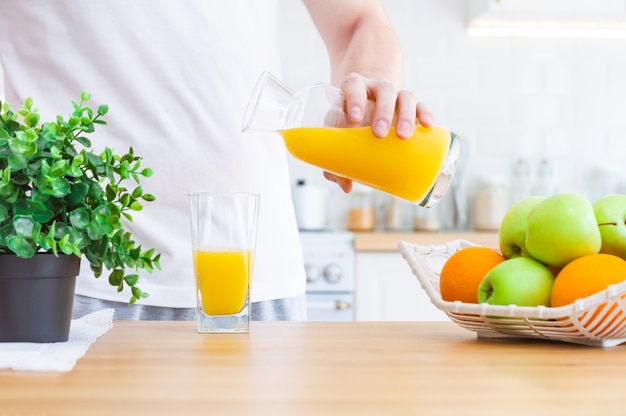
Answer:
(316, 130)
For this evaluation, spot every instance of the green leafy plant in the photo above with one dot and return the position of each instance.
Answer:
(58, 195)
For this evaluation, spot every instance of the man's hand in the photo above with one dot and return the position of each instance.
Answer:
(390, 106)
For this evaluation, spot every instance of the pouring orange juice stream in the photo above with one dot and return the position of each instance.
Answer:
(223, 278)
(406, 168)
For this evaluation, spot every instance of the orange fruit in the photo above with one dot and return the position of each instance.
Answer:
(464, 270)
(585, 276)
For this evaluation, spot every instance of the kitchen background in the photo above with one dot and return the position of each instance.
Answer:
(536, 115)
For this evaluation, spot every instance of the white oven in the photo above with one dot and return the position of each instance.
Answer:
(329, 262)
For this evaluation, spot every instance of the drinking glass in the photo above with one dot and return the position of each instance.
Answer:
(223, 232)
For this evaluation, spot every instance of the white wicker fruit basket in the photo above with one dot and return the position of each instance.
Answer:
(598, 320)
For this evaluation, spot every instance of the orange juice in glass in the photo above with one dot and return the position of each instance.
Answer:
(315, 129)
(223, 280)
(223, 232)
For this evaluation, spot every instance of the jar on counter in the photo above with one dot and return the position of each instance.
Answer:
(311, 206)
(545, 183)
(521, 181)
(398, 214)
(604, 180)
(490, 204)
(362, 213)
(426, 219)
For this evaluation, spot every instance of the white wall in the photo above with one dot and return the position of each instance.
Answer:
(561, 99)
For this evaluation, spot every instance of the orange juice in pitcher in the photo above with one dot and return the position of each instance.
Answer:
(404, 168)
(313, 124)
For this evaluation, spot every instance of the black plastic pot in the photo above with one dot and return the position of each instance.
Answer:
(36, 297)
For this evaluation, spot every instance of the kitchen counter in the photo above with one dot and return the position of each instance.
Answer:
(318, 368)
(388, 241)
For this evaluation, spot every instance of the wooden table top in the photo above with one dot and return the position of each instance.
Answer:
(317, 368)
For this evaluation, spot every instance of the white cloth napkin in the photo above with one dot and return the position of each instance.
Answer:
(57, 356)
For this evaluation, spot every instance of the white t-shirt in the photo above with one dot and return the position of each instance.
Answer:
(177, 76)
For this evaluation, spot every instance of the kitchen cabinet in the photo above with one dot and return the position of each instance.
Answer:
(386, 289)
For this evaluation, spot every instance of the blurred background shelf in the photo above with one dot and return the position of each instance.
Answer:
(388, 241)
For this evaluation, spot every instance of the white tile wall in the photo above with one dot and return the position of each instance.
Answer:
(561, 99)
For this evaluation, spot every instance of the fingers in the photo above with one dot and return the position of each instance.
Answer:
(391, 106)
(424, 115)
(358, 90)
(344, 184)
(406, 111)
(385, 96)
(355, 91)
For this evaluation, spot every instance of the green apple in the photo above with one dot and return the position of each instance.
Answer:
(610, 213)
(521, 281)
(562, 228)
(513, 227)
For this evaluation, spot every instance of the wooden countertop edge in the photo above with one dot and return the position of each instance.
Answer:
(388, 241)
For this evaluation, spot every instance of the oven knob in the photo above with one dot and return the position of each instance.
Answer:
(332, 273)
(342, 306)
(312, 273)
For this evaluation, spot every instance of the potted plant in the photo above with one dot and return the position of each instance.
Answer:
(61, 201)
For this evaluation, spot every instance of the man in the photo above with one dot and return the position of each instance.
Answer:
(177, 77)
